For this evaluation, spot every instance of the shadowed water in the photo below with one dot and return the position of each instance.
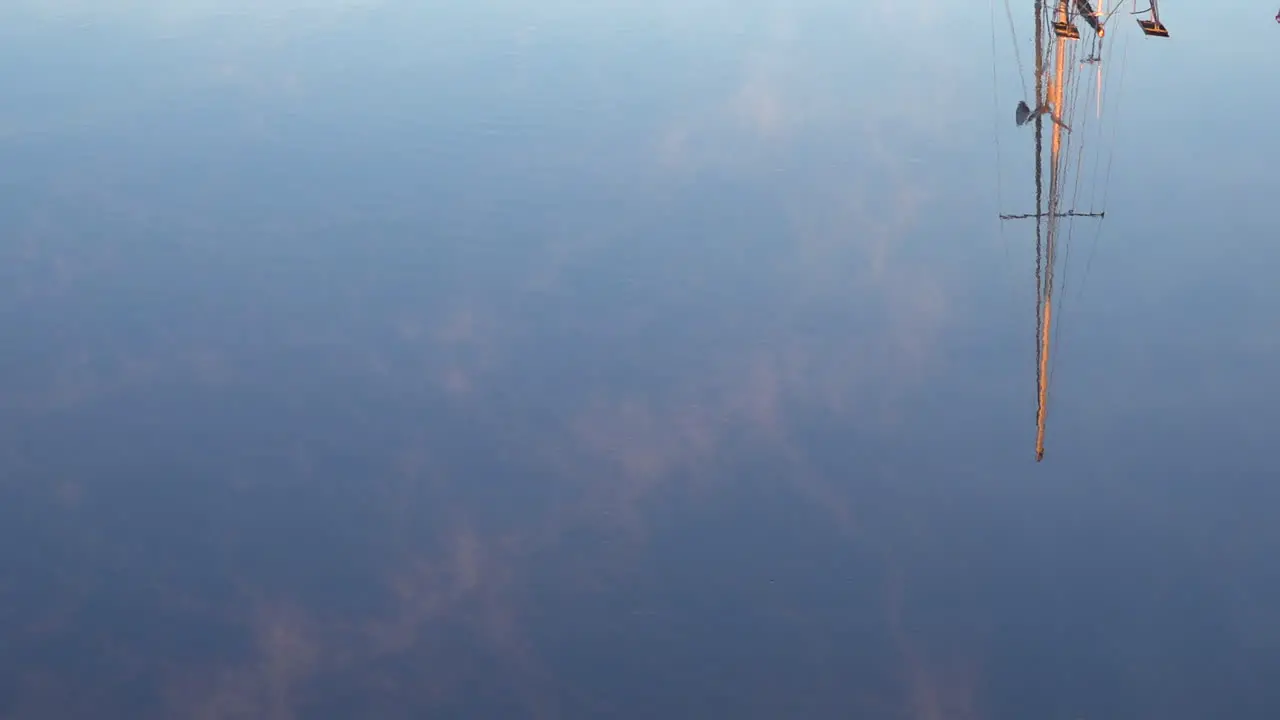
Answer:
(623, 360)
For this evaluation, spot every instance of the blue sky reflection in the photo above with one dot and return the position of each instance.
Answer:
(380, 359)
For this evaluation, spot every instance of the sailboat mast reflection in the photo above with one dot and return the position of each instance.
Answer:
(1056, 94)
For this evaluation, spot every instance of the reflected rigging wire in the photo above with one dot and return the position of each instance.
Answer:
(1095, 167)
(995, 91)
(1017, 54)
(1106, 182)
(997, 118)
(1073, 101)
(1040, 55)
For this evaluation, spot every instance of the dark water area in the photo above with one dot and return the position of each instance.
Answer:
(624, 360)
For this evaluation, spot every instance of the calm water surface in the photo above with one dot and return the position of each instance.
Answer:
(624, 360)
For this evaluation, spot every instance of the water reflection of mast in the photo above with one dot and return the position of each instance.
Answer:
(1051, 100)
(1048, 100)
